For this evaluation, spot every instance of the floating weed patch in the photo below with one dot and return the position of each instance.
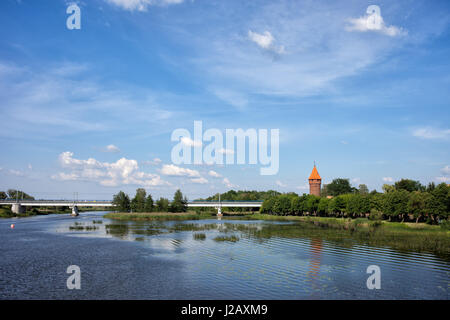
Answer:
(76, 227)
(139, 239)
(82, 228)
(199, 236)
(97, 222)
(226, 238)
(193, 227)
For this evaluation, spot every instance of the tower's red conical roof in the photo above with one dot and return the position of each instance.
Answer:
(315, 174)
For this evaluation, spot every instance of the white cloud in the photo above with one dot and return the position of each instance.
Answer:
(374, 23)
(111, 148)
(173, 170)
(191, 143)
(41, 104)
(446, 170)
(227, 182)
(122, 172)
(431, 133)
(214, 174)
(200, 180)
(265, 41)
(280, 184)
(446, 175)
(388, 179)
(356, 180)
(30, 167)
(141, 5)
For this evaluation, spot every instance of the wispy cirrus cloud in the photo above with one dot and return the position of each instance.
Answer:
(431, 133)
(141, 5)
(62, 100)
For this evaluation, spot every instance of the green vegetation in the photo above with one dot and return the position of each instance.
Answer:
(406, 201)
(80, 227)
(143, 203)
(226, 238)
(199, 236)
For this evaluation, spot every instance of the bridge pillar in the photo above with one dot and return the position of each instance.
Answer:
(75, 211)
(219, 211)
(17, 208)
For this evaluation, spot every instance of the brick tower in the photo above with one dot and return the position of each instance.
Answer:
(315, 182)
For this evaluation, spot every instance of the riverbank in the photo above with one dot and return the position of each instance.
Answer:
(402, 236)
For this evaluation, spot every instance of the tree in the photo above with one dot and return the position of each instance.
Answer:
(417, 204)
(312, 203)
(267, 205)
(3, 195)
(388, 188)
(337, 205)
(396, 204)
(138, 202)
(339, 186)
(178, 204)
(121, 202)
(358, 204)
(409, 185)
(439, 202)
(162, 205)
(363, 190)
(17, 194)
(376, 201)
(149, 203)
(298, 204)
(431, 186)
(282, 205)
(322, 208)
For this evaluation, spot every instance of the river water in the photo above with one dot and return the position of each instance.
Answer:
(186, 260)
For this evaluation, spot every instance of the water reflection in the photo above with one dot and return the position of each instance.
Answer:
(314, 263)
(272, 260)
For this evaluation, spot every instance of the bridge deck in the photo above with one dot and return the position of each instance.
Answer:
(106, 203)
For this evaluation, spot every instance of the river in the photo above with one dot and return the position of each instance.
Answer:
(187, 260)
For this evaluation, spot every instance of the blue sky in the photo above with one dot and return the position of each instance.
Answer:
(92, 110)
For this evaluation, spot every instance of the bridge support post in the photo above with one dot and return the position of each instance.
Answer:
(75, 211)
(219, 211)
(17, 208)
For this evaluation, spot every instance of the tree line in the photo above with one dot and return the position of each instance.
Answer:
(15, 194)
(144, 203)
(406, 200)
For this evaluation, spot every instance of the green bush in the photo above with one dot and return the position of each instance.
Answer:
(375, 215)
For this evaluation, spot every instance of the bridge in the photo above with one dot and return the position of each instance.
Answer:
(18, 206)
